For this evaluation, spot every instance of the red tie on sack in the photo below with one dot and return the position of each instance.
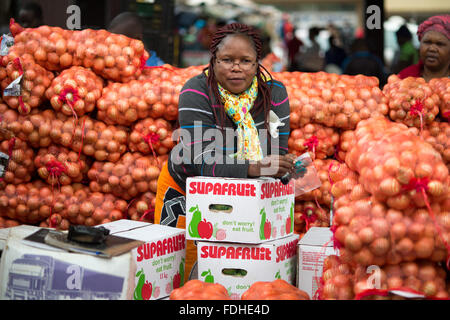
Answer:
(417, 110)
(150, 139)
(311, 144)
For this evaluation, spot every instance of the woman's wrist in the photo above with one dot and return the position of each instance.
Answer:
(254, 169)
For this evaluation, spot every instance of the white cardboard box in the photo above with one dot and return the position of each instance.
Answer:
(313, 248)
(261, 209)
(146, 272)
(267, 261)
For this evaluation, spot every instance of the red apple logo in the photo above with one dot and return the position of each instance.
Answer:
(267, 229)
(205, 229)
(176, 280)
(146, 291)
(288, 225)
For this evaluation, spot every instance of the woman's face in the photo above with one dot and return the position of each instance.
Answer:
(232, 76)
(435, 50)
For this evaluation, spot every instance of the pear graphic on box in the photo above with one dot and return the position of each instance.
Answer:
(265, 228)
(209, 278)
(196, 219)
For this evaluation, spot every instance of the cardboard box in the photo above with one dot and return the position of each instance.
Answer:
(313, 248)
(238, 266)
(254, 210)
(149, 271)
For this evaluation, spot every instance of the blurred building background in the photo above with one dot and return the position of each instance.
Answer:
(179, 30)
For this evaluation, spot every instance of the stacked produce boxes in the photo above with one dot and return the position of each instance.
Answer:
(244, 226)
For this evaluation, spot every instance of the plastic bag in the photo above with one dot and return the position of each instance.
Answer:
(6, 42)
(305, 177)
(321, 195)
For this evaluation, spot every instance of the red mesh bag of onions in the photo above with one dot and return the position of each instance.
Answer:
(133, 175)
(419, 279)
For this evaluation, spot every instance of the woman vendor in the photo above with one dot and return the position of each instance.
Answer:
(234, 94)
(434, 50)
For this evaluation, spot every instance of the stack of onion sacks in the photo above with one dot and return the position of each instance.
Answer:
(20, 165)
(318, 140)
(35, 80)
(91, 137)
(58, 165)
(133, 175)
(75, 91)
(151, 136)
(412, 101)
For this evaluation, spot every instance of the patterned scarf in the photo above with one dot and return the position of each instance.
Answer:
(238, 108)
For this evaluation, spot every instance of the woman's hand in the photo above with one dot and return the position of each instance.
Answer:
(272, 166)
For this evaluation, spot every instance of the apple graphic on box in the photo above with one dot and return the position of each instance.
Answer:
(176, 280)
(146, 290)
(205, 229)
(288, 225)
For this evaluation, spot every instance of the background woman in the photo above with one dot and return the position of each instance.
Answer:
(434, 51)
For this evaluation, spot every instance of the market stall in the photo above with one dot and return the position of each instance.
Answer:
(85, 128)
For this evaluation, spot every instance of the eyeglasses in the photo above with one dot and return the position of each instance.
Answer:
(244, 65)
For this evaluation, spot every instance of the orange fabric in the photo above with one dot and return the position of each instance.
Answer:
(165, 181)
